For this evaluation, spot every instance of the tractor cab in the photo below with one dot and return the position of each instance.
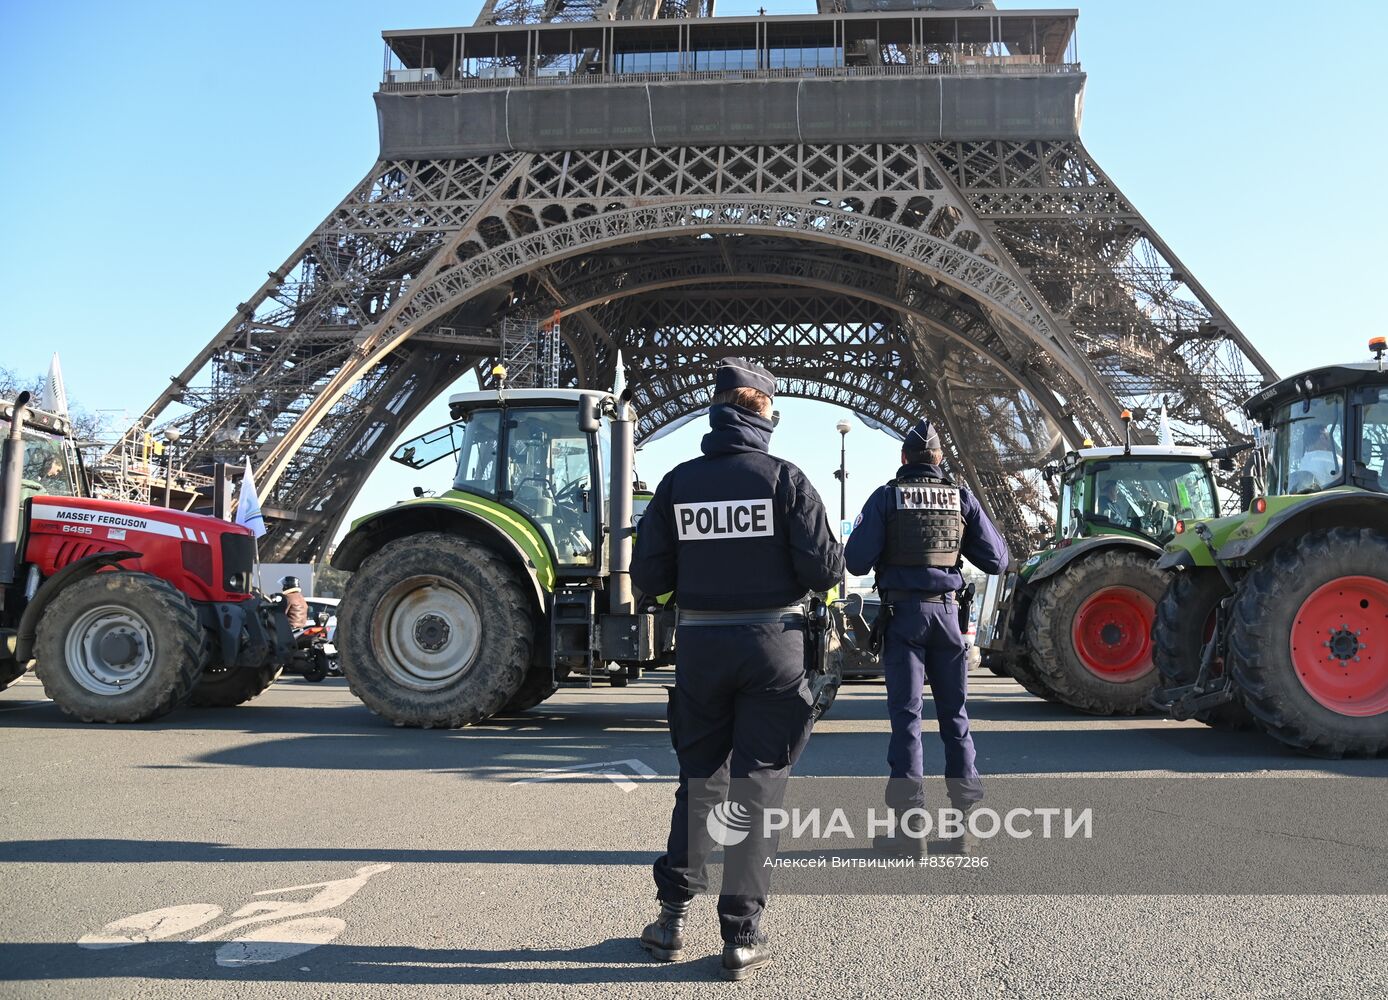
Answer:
(541, 453)
(50, 463)
(1325, 429)
(1142, 491)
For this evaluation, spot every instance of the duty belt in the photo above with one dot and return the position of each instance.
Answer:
(761, 616)
(923, 596)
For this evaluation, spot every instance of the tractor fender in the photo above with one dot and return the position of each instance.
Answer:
(1354, 509)
(377, 530)
(52, 587)
(1085, 547)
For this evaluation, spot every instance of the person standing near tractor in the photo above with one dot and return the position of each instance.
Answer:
(295, 605)
(740, 537)
(912, 533)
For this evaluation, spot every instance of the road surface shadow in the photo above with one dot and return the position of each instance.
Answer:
(99, 850)
(616, 960)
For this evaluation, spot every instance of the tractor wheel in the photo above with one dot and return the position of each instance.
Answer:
(1309, 643)
(236, 684)
(993, 663)
(438, 631)
(223, 687)
(1185, 622)
(120, 647)
(538, 686)
(1090, 632)
(1020, 670)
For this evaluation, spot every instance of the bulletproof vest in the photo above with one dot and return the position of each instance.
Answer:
(925, 525)
(730, 526)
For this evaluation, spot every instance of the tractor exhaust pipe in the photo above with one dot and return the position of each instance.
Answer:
(623, 475)
(11, 480)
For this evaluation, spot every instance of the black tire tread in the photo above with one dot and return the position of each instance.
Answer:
(1270, 689)
(1056, 664)
(1178, 634)
(511, 611)
(225, 688)
(162, 691)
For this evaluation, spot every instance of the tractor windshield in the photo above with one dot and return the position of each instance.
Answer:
(1150, 496)
(46, 464)
(477, 466)
(549, 476)
(1306, 446)
(1373, 443)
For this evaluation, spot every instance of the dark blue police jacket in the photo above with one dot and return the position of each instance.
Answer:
(738, 529)
(983, 543)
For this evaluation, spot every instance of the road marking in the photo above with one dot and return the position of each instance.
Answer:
(156, 925)
(610, 769)
(287, 927)
(265, 945)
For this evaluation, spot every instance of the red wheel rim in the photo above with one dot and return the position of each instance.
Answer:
(1112, 633)
(1339, 645)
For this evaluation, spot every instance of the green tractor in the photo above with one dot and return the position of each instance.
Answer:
(1279, 614)
(481, 600)
(1073, 623)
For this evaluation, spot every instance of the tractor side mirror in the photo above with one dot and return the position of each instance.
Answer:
(1226, 464)
(853, 604)
(588, 421)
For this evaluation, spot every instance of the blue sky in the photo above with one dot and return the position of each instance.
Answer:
(160, 157)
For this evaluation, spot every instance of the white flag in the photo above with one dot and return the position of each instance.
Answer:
(248, 504)
(1164, 428)
(53, 395)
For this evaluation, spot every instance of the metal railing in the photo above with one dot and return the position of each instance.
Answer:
(733, 75)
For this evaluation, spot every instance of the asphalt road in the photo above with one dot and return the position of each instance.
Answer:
(320, 852)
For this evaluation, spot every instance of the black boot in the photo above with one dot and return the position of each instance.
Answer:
(664, 938)
(741, 960)
(907, 839)
(964, 845)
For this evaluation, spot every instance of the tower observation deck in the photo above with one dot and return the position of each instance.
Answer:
(887, 202)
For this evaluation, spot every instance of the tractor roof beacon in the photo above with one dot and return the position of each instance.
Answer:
(1293, 591)
(1072, 623)
(483, 598)
(128, 610)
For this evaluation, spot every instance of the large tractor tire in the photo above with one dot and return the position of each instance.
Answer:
(539, 684)
(224, 687)
(1089, 632)
(227, 686)
(438, 631)
(1185, 622)
(120, 647)
(1019, 668)
(1309, 643)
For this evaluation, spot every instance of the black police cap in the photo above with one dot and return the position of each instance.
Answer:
(922, 437)
(739, 373)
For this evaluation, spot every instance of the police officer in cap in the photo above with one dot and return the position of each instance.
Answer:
(740, 537)
(912, 533)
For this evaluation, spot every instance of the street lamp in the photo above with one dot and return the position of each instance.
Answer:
(843, 427)
(171, 435)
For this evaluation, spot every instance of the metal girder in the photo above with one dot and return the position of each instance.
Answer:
(1006, 289)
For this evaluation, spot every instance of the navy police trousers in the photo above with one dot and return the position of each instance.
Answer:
(923, 644)
(739, 717)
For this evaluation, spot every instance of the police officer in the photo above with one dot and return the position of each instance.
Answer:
(740, 537)
(912, 532)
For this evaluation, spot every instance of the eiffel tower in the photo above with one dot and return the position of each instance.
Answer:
(885, 201)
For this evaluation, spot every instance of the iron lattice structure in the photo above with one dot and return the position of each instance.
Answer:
(1003, 287)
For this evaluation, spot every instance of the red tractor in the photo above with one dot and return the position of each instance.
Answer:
(129, 610)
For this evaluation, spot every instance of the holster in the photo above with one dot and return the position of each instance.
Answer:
(965, 597)
(877, 638)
